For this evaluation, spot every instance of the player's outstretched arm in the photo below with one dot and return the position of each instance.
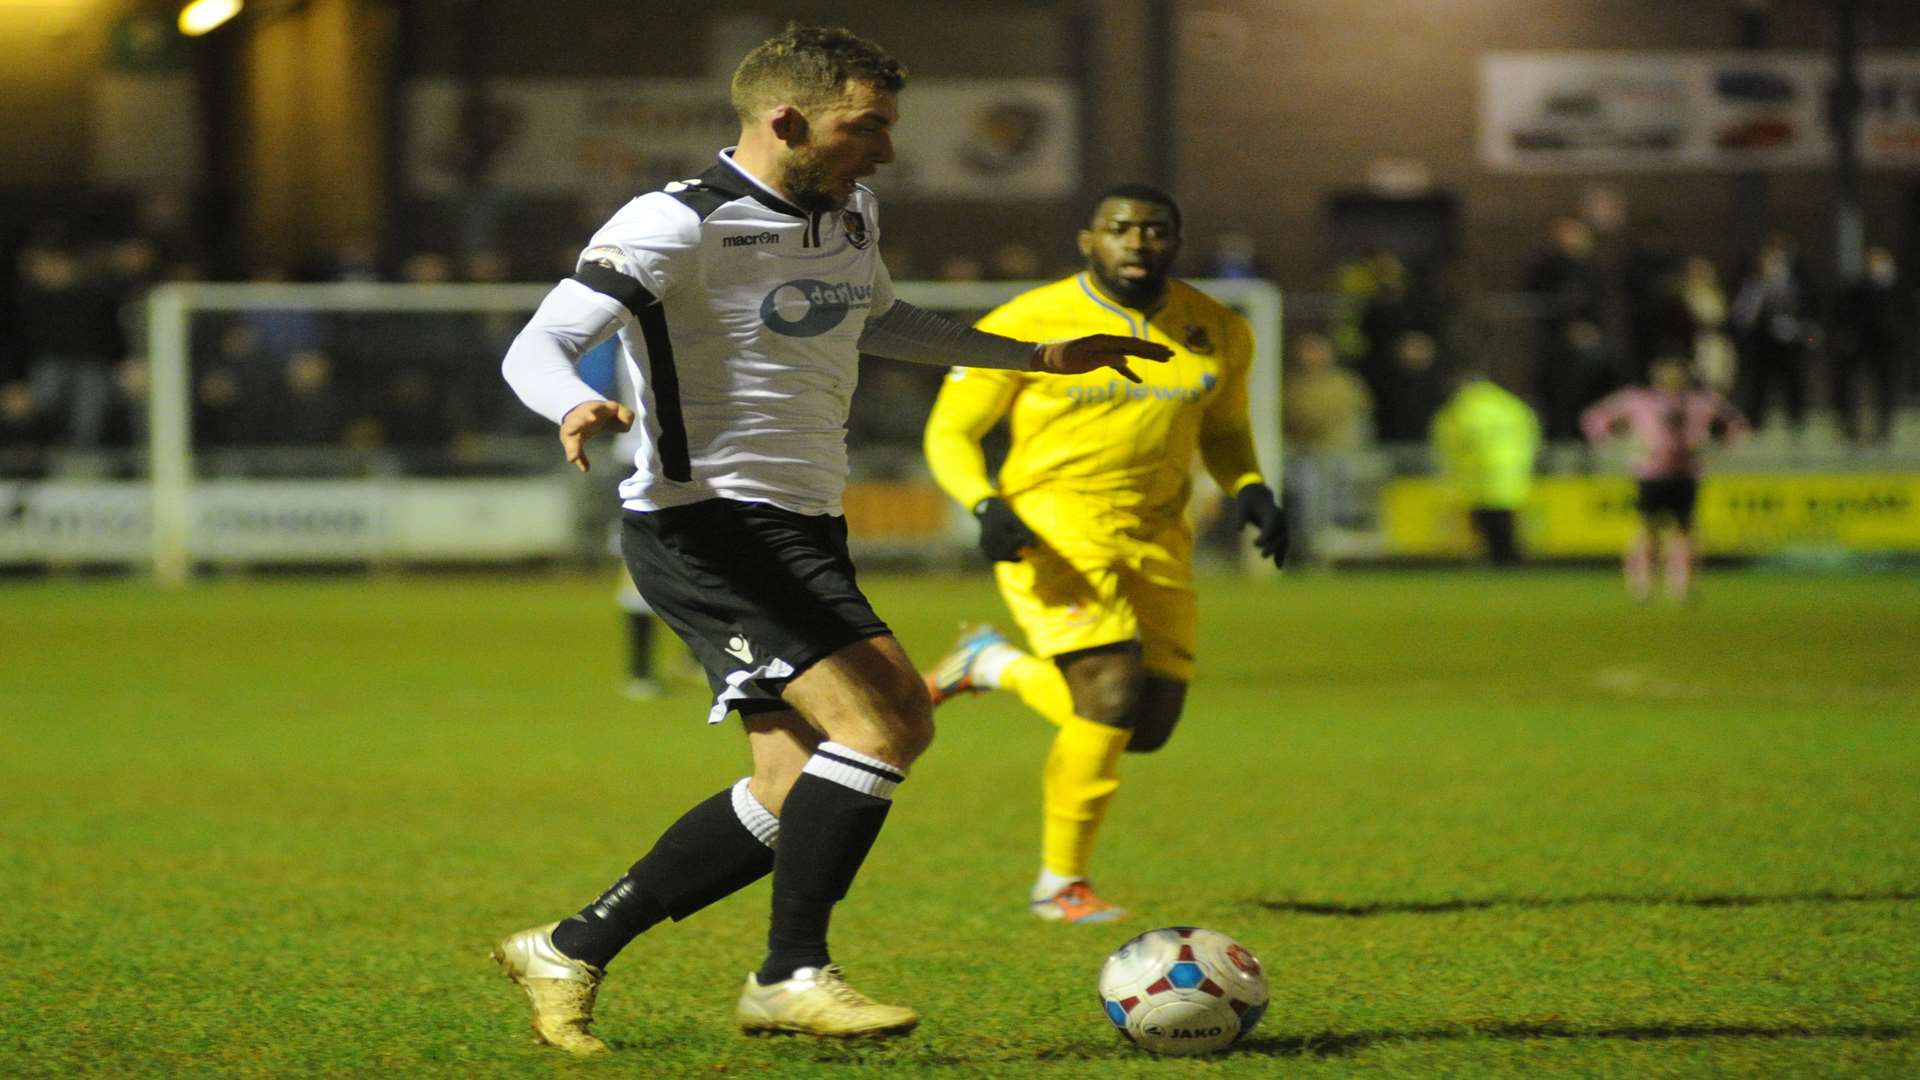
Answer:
(1096, 351)
(587, 419)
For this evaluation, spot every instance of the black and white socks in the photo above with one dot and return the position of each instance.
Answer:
(814, 848)
(828, 824)
(715, 849)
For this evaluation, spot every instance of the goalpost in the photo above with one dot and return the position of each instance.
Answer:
(172, 311)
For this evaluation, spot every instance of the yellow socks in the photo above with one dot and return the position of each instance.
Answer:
(1080, 777)
(1082, 770)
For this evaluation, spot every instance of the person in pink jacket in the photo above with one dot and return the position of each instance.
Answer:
(1673, 420)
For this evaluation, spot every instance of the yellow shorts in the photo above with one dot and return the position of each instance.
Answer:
(1088, 586)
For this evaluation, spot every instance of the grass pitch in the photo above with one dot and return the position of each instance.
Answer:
(1474, 825)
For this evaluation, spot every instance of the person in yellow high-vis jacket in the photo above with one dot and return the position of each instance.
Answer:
(1087, 526)
(1484, 440)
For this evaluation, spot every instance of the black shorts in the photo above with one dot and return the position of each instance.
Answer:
(759, 594)
(1670, 497)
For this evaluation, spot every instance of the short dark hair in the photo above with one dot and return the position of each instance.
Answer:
(1145, 193)
(805, 65)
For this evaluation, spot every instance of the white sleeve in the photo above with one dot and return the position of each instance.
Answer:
(643, 251)
(540, 362)
(631, 262)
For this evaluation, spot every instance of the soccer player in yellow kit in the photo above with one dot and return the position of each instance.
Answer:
(1087, 523)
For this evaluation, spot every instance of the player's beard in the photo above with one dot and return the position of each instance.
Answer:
(808, 183)
(1138, 295)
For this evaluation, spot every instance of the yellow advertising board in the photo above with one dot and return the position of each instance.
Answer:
(1738, 514)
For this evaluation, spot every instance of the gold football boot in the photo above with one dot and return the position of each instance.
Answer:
(818, 1001)
(561, 988)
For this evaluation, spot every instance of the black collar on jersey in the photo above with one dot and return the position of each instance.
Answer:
(729, 178)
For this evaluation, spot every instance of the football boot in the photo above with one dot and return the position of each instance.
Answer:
(1076, 904)
(952, 675)
(818, 1001)
(561, 988)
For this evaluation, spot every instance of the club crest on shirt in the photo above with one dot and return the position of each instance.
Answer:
(854, 224)
(1199, 341)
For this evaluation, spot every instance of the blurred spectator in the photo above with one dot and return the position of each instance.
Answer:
(165, 223)
(1484, 441)
(1412, 393)
(962, 267)
(1325, 406)
(69, 309)
(1872, 333)
(412, 412)
(1379, 300)
(412, 364)
(1565, 276)
(230, 405)
(20, 420)
(1575, 371)
(1771, 328)
(1567, 284)
(1714, 359)
(899, 259)
(1014, 261)
(487, 267)
(288, 330)
(1383, 315)
(1672, 420)
(1233, 256)
(134, 265)
(1652, 287)
(484, 406)
(356, 259)
(310, 409)
(132, 383)
(1323, 412)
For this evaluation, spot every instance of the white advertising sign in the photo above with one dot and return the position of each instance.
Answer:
(292, 521)
(1726, 111)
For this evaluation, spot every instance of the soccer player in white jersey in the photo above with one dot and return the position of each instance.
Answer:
(743, 299)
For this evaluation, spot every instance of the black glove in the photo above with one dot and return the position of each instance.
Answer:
(1002, 533)
(1258, 509)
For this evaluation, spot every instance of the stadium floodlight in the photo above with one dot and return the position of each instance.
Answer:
(202, 16)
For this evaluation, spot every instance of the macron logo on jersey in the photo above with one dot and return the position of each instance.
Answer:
(750, 239)
(1117, 390)
(808, 308)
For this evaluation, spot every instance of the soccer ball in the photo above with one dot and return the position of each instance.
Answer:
(1183, 990)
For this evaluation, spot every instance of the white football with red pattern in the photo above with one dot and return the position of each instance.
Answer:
(1182, 990)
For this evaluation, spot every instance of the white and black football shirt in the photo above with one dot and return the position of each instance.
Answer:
(740, 316)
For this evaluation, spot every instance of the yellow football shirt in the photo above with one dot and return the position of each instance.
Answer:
(1129, 447)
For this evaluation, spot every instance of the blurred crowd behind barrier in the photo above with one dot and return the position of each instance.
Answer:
(1823, 373)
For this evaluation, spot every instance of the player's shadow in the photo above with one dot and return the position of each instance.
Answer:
(1443, 907)
(1336, 1044)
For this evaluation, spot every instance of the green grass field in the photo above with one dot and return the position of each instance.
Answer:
(1474, 825)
